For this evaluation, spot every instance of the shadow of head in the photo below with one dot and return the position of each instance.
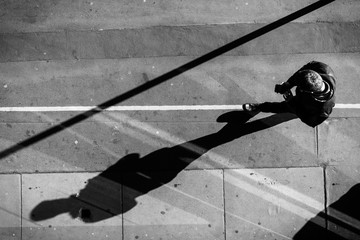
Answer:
(52, 208)
(76, 207)
(98, 200)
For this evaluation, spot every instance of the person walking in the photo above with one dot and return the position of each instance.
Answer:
(314, 95)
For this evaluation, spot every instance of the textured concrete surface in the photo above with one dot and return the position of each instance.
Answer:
(189, 206)
(226, 80)
(178, 41)
(71, 206)
(174, 174)
(98, 145)
(271, 203)
(339, 141)
(10, 207)
(343, 195)
(36, 16)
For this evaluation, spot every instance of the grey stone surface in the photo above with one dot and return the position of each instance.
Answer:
(89, 146)
(33, 46)
(339, 141)
(95, 146)
(53, 202)
(33, 16)
(228, 80)
(193, 40)
(189, 174)
(343, 197)
(188, 207)
(10, 207)
(271, 203)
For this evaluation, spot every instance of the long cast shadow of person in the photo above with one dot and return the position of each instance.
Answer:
(101, 198)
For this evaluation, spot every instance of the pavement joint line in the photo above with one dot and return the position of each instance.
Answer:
(187, 169)
(224, 201)
(179, 56)
(325, 198)
(145, 108)
(21, 205)
(317, 141)
(66, 31)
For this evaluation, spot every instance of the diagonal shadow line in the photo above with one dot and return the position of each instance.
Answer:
(165, 77)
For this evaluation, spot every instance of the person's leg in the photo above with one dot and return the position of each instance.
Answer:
(288, 106)
(275, 107)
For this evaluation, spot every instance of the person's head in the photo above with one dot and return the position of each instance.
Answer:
(312, 81)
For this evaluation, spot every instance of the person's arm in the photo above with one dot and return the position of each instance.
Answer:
(286, 86)
(293, 81)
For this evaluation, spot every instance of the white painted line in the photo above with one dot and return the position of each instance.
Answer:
(347, 105)
(143, 108)
(121, 108)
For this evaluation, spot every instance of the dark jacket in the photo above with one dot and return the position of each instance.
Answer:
(311, 109)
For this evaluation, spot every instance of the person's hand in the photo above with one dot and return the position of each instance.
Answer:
(282, 87)
(288, 96)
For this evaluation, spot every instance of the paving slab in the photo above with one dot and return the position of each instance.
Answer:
(339, 141)
(95, 146)
(36, 16)
(199, 40)
(189, 206)
(272, 203)
(343, 196)
(73, 149)
(290, 144)
(32, 46)
(71, 206)
(93, 82)
(10, 207)
(195, 40)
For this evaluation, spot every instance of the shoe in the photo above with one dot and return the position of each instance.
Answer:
(251, 107)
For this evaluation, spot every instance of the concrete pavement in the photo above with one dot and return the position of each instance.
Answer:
(174, 174)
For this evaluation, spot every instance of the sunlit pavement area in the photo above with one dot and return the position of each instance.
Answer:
(147, 170)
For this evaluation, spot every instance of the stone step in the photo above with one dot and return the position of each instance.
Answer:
(159, 41)
(35, 16)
